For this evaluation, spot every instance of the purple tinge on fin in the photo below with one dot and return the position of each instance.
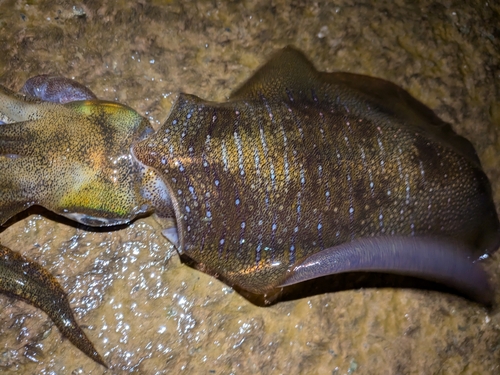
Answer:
(435, 259)
(56, 89)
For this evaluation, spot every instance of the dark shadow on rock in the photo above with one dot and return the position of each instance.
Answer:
(39, 210)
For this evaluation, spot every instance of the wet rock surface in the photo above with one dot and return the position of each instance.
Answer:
(148, 313)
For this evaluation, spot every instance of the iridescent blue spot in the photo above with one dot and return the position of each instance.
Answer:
(174, 122)
(221, 242)
(243, 225)
(237, 201)
(208, 214)
(320, 226)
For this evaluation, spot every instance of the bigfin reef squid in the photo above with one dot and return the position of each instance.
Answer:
(299, 174)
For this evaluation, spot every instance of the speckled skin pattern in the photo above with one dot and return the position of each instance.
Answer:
(299, 161)
(86, 141)
(296, 163)
(28, 280)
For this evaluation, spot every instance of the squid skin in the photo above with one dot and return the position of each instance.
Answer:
(41, 135)
(26, 279)
(56, 89)
(434, 259)
(299, 161)
(300, 174)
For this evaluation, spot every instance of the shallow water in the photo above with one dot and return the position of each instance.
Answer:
(148, 313)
